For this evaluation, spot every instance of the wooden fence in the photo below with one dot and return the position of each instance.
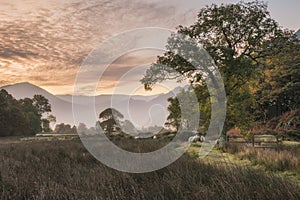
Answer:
(258, 141)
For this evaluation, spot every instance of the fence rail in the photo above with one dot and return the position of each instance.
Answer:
(258, 141)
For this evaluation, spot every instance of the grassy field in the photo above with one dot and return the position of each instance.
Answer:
(283, 160)
(65, 170)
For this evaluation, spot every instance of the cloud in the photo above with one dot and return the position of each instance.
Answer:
(50, 39)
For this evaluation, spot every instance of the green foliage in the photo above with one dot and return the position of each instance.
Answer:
(279, 90)
(191, 108)
(24, 116)
(239, 38)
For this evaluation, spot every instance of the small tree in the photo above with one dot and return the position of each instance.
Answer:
(65, 129)
(174, 117)
(109, 120)
(42, 104)
(82, 129)
(46, 123)
(51, 119)
(191, 109)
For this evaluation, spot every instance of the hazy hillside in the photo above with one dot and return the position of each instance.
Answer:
(142, 110)
(60, 108)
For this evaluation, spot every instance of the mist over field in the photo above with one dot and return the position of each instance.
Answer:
(133, 107)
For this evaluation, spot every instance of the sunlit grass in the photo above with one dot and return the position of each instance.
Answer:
(65, 170)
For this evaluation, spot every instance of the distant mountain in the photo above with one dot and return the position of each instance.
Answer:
(60, 108)
(25, 89)
(141, 110)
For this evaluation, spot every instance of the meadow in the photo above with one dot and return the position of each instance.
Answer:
(37, 169)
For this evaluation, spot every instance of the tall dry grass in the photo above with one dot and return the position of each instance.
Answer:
(282, 158)
(65, 170)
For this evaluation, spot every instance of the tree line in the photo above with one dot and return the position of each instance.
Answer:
(26, 116)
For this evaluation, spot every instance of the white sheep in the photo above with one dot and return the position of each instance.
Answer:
(193, 139)
(196, 138)
(202, 138)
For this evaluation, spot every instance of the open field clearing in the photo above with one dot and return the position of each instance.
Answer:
(65, 170)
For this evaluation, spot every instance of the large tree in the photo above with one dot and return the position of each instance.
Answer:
(110, 120)
(238, 37)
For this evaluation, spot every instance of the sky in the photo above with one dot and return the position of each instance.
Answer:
(44, 42)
